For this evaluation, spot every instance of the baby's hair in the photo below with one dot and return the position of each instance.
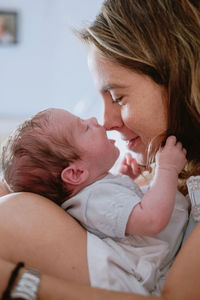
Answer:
(33, 159)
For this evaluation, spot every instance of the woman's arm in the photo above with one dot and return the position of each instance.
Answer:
(37, 231)
(183, 278)
(182, 282)
(52, 288)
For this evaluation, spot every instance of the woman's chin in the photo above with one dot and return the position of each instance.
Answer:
(137, 146)
(139, 149)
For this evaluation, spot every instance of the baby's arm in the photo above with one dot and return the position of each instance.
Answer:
(152, 214)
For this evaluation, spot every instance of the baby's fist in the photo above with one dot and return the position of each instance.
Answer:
(172, 155)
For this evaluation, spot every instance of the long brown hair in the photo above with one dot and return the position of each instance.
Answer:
(161, 40)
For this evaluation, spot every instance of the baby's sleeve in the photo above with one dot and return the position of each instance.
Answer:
(108, 209)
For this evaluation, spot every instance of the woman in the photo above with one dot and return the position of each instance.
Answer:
(145, 61)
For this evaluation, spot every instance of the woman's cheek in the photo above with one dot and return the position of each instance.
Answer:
(128, 117)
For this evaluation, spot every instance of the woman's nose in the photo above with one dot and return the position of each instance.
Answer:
(112, 117)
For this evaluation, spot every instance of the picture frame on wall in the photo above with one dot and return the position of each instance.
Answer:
(8, 27)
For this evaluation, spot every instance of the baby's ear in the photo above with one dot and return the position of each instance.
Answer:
(74, 174)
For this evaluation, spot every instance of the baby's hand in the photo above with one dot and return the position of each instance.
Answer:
(129, 167)
(171, 156)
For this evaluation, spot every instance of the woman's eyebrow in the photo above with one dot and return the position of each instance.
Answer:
(112, 86)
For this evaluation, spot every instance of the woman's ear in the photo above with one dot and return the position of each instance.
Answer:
(75, 174)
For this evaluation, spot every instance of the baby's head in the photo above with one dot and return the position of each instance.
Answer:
(33, 158)
(54, 152)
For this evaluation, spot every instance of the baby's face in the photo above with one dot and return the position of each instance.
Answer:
(88, 137)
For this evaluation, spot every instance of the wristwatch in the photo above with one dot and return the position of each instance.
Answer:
(27, 286)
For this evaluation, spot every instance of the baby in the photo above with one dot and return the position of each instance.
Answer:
(66, 159)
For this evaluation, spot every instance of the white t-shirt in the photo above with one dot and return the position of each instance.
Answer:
(118, 262)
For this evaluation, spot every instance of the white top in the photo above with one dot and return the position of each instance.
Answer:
(103, 208)
(118, 262)
(193, 184)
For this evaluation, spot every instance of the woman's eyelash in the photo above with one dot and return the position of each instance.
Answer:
(118, 100)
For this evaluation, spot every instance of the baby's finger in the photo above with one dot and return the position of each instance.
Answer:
(135, 167)
(179, 145)
(124, 161)
(171, 140)
(129, 158)
(184, 151)
(123, 169)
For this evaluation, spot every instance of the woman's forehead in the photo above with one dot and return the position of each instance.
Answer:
(107, 74)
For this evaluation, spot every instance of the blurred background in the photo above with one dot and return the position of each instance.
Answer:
(42, 63)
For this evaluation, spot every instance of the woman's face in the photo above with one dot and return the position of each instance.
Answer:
(134, 104)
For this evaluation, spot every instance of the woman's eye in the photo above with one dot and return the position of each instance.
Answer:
(118, 100)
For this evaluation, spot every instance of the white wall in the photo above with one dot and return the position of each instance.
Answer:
(48, 67)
